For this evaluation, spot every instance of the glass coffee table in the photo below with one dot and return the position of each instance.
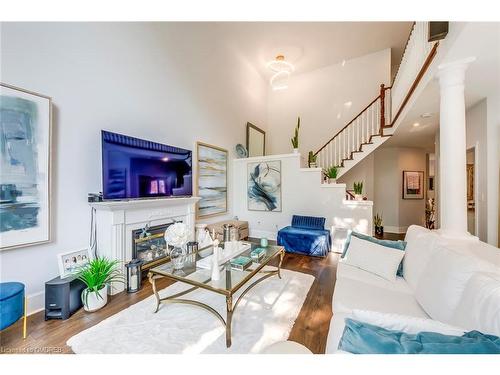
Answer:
(229, 283)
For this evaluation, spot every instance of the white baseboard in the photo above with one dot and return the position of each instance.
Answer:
(391, 229)
(36, 302)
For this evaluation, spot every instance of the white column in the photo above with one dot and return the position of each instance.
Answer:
(453, 180)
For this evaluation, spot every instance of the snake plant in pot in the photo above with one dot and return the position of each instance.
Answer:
(358, 191)
(97, 275)
(311, 159)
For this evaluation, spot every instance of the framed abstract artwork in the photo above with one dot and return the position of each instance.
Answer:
(25, 151)
(264, 186)
(211, 180)
(413, 185)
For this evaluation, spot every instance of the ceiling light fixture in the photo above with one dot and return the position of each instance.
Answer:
(416, 125)
(282, 70)
(426, 115)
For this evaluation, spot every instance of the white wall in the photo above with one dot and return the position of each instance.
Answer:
(382, 173)
(302, 194)
(171, 83)
(318, 97)
(493, 167)
(475, 118)
(363, 171)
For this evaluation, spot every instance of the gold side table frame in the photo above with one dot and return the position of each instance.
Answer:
(230, 308)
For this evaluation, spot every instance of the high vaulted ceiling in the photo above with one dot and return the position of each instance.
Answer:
(313, 45)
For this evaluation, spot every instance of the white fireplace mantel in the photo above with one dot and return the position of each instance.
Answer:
(115, 221)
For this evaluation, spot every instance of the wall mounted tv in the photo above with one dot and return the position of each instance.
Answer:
(136, 168)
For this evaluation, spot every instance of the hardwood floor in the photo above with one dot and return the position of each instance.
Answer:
(310, 329)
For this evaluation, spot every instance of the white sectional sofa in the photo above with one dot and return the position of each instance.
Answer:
(455, 282)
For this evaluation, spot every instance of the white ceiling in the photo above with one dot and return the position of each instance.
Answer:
(312, 45)
(481, 40)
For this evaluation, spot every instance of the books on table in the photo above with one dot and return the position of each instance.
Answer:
(228, 253)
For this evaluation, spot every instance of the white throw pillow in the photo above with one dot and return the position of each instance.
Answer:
(403, 323)
(374, 258)
(443, 281)
(420, 245)
(479, 307)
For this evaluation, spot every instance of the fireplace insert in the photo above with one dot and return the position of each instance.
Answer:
(149, 246)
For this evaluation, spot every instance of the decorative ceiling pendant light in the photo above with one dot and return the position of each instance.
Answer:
(282, 70)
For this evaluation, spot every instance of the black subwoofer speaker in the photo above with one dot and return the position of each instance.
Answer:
(62, 297)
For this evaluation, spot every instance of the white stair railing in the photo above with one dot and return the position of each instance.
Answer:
(372, 120)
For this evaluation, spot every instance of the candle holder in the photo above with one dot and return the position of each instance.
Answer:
(134, 275)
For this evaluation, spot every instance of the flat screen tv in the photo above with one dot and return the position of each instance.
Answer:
(136, 168)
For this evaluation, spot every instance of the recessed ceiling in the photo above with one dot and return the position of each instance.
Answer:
(313, 45)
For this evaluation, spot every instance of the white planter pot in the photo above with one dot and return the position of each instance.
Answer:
(295, 150)
(312, 165)
(358, 197)
(94, 302)
(332, 180)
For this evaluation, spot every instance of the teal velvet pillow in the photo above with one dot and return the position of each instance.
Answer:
(364, 338)
(398, 245)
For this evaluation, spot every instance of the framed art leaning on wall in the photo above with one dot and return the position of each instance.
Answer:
(25, 148)
(413, 185)
(211, 181)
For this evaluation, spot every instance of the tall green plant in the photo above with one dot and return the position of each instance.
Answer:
(331, 172)
(311, 157)
(98, 273)
(295, 139)
(377, 220)
(358, 187)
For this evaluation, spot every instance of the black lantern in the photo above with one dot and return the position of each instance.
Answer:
(134, 276)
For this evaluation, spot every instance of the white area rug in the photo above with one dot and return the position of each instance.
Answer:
(265, 315)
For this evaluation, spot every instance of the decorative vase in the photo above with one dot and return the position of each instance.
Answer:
(95, 301)
(177, 257)
(379, 231)
(264, 242)
(295, 150)
(358, 197)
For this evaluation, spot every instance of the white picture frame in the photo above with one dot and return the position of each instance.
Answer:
(68, 266)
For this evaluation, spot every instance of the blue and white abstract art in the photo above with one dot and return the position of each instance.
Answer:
(264, 186)
(212, 180)
(24, 167)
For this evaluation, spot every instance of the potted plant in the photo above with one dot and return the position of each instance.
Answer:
(312, 159)
(358, 191)
(331, 174)
(379, 229)
(97, 275)
(295, 139)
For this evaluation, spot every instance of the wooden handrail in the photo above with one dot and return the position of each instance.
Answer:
(419, 77)
(349, 123)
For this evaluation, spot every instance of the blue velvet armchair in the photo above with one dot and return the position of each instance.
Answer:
(307, 235)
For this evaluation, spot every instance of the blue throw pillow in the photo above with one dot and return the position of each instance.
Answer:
(364, 338)
(398, 245)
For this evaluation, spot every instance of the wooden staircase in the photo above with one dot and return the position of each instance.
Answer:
(371, 127)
